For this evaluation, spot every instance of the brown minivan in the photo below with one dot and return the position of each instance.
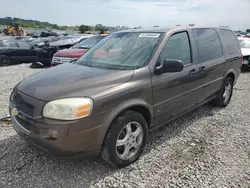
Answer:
(130, 82)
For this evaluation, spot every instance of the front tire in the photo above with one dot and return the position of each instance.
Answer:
(4, 60)
(125, 140)
(224, 96)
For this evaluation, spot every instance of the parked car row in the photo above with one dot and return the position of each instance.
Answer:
(105, 102)
(242, 34)
(75, 52)
(38, 50)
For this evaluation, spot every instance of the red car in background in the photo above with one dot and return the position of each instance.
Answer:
(75, 52)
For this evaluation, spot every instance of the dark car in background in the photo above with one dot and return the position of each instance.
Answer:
(132, 81)
(16, 51)
(75, 52)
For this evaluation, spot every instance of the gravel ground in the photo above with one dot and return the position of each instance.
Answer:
(9, 77)
(209, 147)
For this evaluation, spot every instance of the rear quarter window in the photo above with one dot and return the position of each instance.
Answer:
(207, 44)
(230, 41)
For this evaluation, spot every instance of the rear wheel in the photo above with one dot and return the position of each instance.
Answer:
(224, 96)
(125, 139)
(4, 60)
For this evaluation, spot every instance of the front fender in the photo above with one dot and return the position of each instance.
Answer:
(126, 105)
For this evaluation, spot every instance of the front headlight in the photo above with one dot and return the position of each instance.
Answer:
(68, 108)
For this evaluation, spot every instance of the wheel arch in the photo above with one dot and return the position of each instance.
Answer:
(232, 74)
(5, 54)
(136, 105)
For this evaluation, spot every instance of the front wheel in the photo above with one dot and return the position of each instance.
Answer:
(125, 139)
(224, 96)
(4, 60)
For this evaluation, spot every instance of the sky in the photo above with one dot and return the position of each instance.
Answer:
(145, 13)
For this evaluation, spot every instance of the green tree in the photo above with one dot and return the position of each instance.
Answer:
(248, 30)
(91, 28)
(32, 25)
(56, 27)
(21, 23)
(99, 27)
(84, 28)
(41, 26)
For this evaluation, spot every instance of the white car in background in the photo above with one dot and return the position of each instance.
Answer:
(245, 50)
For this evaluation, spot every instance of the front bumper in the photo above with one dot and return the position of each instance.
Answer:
(60, 60)
(74, 138)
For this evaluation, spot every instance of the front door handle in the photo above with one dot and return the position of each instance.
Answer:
(193, 72)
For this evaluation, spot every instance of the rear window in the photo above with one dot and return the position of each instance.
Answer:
(207, 43)
(230, 41)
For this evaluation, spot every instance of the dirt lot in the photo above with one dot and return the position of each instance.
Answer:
(209, 147)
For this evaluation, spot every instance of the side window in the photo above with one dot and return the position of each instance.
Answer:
(207, 43)
(12, 44)
(230, 41)
(177, 47)
(24, 45)
(5, 43)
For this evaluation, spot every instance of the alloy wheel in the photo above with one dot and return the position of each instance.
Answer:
(129, 140)
(227, 92)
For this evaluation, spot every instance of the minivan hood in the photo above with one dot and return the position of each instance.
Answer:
(245, 51)
(72, 80)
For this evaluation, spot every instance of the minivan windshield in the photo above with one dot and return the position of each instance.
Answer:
(122, 51)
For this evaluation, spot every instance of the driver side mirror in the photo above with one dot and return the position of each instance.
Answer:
(170, 65)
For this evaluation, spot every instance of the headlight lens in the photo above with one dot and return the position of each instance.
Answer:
(68, 109)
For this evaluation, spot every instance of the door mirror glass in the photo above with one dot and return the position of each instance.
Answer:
(170, 65)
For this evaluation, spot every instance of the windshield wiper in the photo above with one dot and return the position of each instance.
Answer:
(84, 47)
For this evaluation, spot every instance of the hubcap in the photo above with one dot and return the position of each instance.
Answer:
(4, 61)
(129, 140)
(227, 92)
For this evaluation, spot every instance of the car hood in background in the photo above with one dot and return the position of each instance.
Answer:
(64, 42)
(71, 80)
(245, 51)
(72, 53)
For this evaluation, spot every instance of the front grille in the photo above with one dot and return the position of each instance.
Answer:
(246, 58)
(61, 59)
(25, 124)
(23, 106)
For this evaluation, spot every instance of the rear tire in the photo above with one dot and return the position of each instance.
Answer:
(4, 60)
(224, 96)
(125, 140)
